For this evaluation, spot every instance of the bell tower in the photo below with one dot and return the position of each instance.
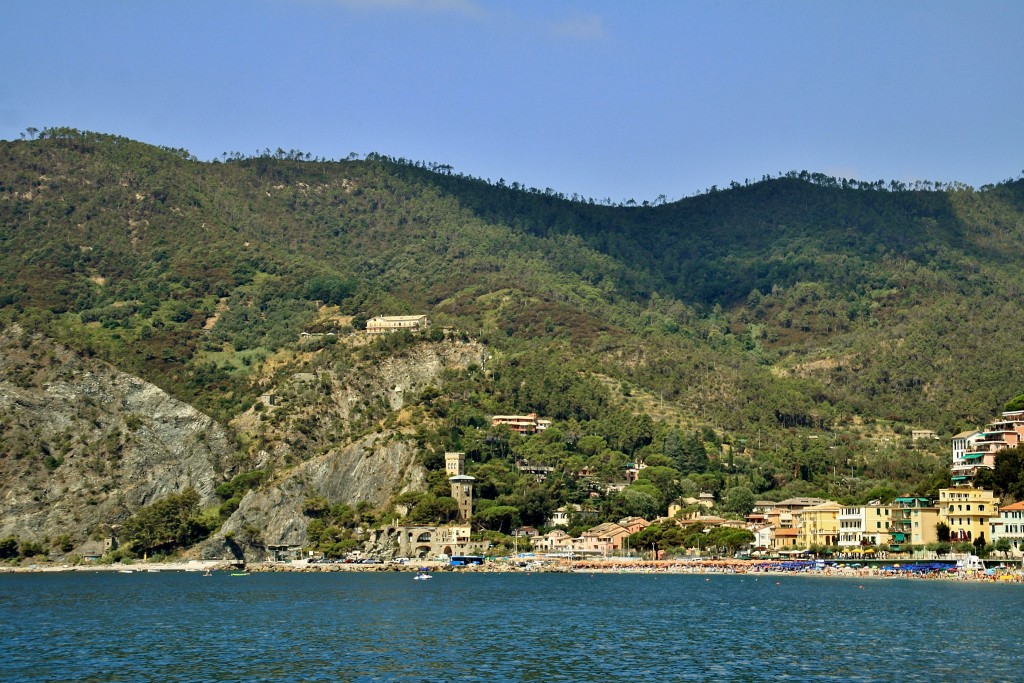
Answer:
(454, 463)
(462, 485)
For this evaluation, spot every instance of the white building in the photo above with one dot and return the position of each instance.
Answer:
(382, 324)
(1009, 525)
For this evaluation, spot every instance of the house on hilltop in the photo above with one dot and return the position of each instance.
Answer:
(382, 324)
(521, 424)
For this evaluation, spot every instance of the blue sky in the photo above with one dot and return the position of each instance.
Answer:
(606, 99)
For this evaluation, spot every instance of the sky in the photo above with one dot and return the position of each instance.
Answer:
(609, 100)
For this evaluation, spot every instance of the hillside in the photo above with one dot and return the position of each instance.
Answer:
(770, 337)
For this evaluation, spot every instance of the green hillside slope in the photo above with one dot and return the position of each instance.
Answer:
(788, 330)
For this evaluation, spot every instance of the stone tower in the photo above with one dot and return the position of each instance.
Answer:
(455, 463)
(462, 492)
(462, 485)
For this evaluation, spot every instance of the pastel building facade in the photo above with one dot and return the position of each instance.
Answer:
(974, 450)
(1009, 525)
(865, 525)
(914, 521)
(966, 511)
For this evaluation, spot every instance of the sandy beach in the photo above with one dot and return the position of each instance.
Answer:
(704, 567)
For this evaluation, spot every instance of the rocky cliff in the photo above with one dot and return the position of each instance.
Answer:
(84, 445)
(370, 470)
(312, 408)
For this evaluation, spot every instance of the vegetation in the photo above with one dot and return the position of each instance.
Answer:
(779, 337)
(167, 525)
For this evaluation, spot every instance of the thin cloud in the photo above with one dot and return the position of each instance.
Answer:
(465, 7)
(588, 27)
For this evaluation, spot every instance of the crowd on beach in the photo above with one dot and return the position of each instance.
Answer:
(830, 568)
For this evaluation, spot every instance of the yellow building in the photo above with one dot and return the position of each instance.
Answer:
(914, 521)
(818, 525)
(966, 511)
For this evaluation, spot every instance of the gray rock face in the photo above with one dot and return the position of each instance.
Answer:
(370, 470)
(85, 445)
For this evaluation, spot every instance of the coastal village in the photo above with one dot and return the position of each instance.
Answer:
(907, 527)
(959, 525)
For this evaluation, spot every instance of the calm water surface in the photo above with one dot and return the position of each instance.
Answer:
(504, 627)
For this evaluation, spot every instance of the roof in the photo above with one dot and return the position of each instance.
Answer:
(827, 506)
(966, 435)
(398, 318)
(605, 529)
(805, 502)
(1013, 507)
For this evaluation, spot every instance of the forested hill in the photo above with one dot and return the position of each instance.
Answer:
(792, 303)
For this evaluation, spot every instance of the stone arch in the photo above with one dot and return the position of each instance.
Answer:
(424, 537)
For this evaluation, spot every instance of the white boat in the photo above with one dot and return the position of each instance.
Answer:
(422, 576)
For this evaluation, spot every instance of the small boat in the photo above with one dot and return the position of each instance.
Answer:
(125, 571)
(422, 576)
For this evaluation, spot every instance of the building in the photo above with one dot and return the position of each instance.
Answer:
(974, 450)
(1009, 526)
(762, 537)
(561, 516)
(540, 472)
(784, 539)
(634, 524)
(454, 463)
(433, 541)
(862, 526)
(914, 521)
(462, 492)
(783, 514)
(555, 540)
(962, 443)
(604, 538)
(918, 434)
(521, 424)
(382, 324)
(966, 511)
(818, 525)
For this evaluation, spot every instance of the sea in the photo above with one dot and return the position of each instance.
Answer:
(543, 627)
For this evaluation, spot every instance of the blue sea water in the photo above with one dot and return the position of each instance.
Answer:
(369, 627)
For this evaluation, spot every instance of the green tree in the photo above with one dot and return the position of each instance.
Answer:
(166, 525)
(8, 548)
(503, 518)
(738, 500)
